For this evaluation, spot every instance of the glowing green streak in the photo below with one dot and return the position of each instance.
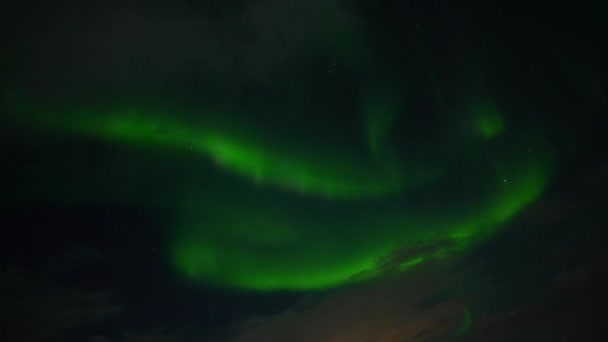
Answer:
(265, 166)
(242, 153)
(404, 266)
(317, 257)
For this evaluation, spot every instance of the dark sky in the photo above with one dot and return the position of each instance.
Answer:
(303, 171)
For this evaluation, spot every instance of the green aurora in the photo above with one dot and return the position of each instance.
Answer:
(264, 208)
(302, 223)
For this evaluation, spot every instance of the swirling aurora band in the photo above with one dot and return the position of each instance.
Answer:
(247, 242)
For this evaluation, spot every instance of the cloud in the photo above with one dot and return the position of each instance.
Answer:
(415, 306)
(115, 45)
(153, 335)
(39, 304)
(555, 276)
(595, 179)
(572, 314)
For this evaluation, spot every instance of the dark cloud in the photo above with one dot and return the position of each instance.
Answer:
(437, 301)
(138, 47)
(572, 314)
(595, 179)
(562, 241)
(154, 335)
(418, 306)
(38, 304)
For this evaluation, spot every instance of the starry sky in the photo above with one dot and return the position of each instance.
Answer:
(289, 170)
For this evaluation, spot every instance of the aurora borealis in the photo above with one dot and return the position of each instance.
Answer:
(339, 148)
(381, 183)
(233, 242)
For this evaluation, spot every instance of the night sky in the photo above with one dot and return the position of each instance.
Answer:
(303, 170)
